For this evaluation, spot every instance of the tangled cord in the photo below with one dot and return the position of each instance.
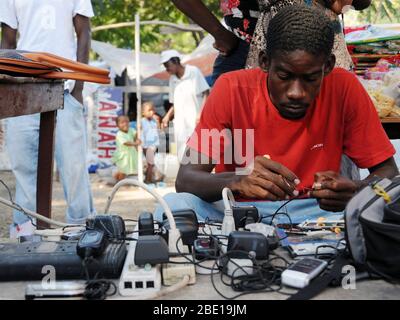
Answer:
(265, 277)
(96, 289)
(261, 277)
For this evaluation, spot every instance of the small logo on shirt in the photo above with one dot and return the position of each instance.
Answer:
(317, 146)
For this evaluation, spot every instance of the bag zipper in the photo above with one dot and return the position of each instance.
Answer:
(388, 188)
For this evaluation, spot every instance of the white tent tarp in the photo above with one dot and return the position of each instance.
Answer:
(121, 59)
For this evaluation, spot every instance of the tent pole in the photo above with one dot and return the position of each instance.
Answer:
(138, 95)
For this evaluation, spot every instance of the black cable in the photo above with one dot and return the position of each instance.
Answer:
(8, 190)
(69, 226)
(19, 208)
(208, 224)
(180, 253)
(283, 214)
(212, 221)
(96, 289)
(265, 278)
(99, 289)
(156, 231)
(279, 213)
(110, 233)
(262, 280)
(283, 205)
(332, 256)
(317, 255)
(128, 239)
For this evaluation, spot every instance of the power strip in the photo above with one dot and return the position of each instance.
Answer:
(135, 280)
(173, 273)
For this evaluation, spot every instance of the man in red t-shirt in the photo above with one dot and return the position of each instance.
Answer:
(278, 131)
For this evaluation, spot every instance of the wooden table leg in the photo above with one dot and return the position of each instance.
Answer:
(45, 165)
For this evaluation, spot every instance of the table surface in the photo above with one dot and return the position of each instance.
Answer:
(23, 96)
(203, 290)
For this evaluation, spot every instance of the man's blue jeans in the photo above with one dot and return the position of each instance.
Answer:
(298, 210)
(70, 152)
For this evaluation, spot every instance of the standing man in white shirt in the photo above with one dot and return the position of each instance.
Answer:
(62, 28)
(188, 91)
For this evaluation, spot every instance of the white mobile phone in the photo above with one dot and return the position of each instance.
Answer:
(299, 274)
(58, 290)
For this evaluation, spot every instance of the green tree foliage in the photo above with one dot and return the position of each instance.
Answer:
(381, 11)
(115, 11)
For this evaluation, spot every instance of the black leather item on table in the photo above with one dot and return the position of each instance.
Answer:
(26, 261)
(19, 63)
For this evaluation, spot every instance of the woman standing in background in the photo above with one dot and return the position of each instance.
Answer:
(332, 8)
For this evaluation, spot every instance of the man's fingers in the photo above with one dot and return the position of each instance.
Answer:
(325, 175)
(222, 51)
(336, 185)
(269, 186)
(288, 188)
(258, 192)
(330, 194)
(279, 169)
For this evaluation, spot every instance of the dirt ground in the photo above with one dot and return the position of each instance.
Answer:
(129, 201)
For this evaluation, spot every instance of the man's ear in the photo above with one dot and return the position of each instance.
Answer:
(263, 61)
(329, 64)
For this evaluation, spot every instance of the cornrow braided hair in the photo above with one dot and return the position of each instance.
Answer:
(300, 27)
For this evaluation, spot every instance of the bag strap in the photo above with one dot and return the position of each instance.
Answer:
(333, 276)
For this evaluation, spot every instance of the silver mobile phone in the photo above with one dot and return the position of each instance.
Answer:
(60, 289)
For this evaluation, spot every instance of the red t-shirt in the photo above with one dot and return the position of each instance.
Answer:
(341, 120)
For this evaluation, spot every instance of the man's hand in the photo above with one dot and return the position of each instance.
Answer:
(269, 180)
(337, 6)
(167, 118)
(333, 191)
(226, 43)
(165, 122)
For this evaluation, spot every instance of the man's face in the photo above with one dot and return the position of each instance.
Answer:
(294, 80)
(171, 67)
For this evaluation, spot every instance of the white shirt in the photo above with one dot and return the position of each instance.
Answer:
(45, 25)
(186, 94)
